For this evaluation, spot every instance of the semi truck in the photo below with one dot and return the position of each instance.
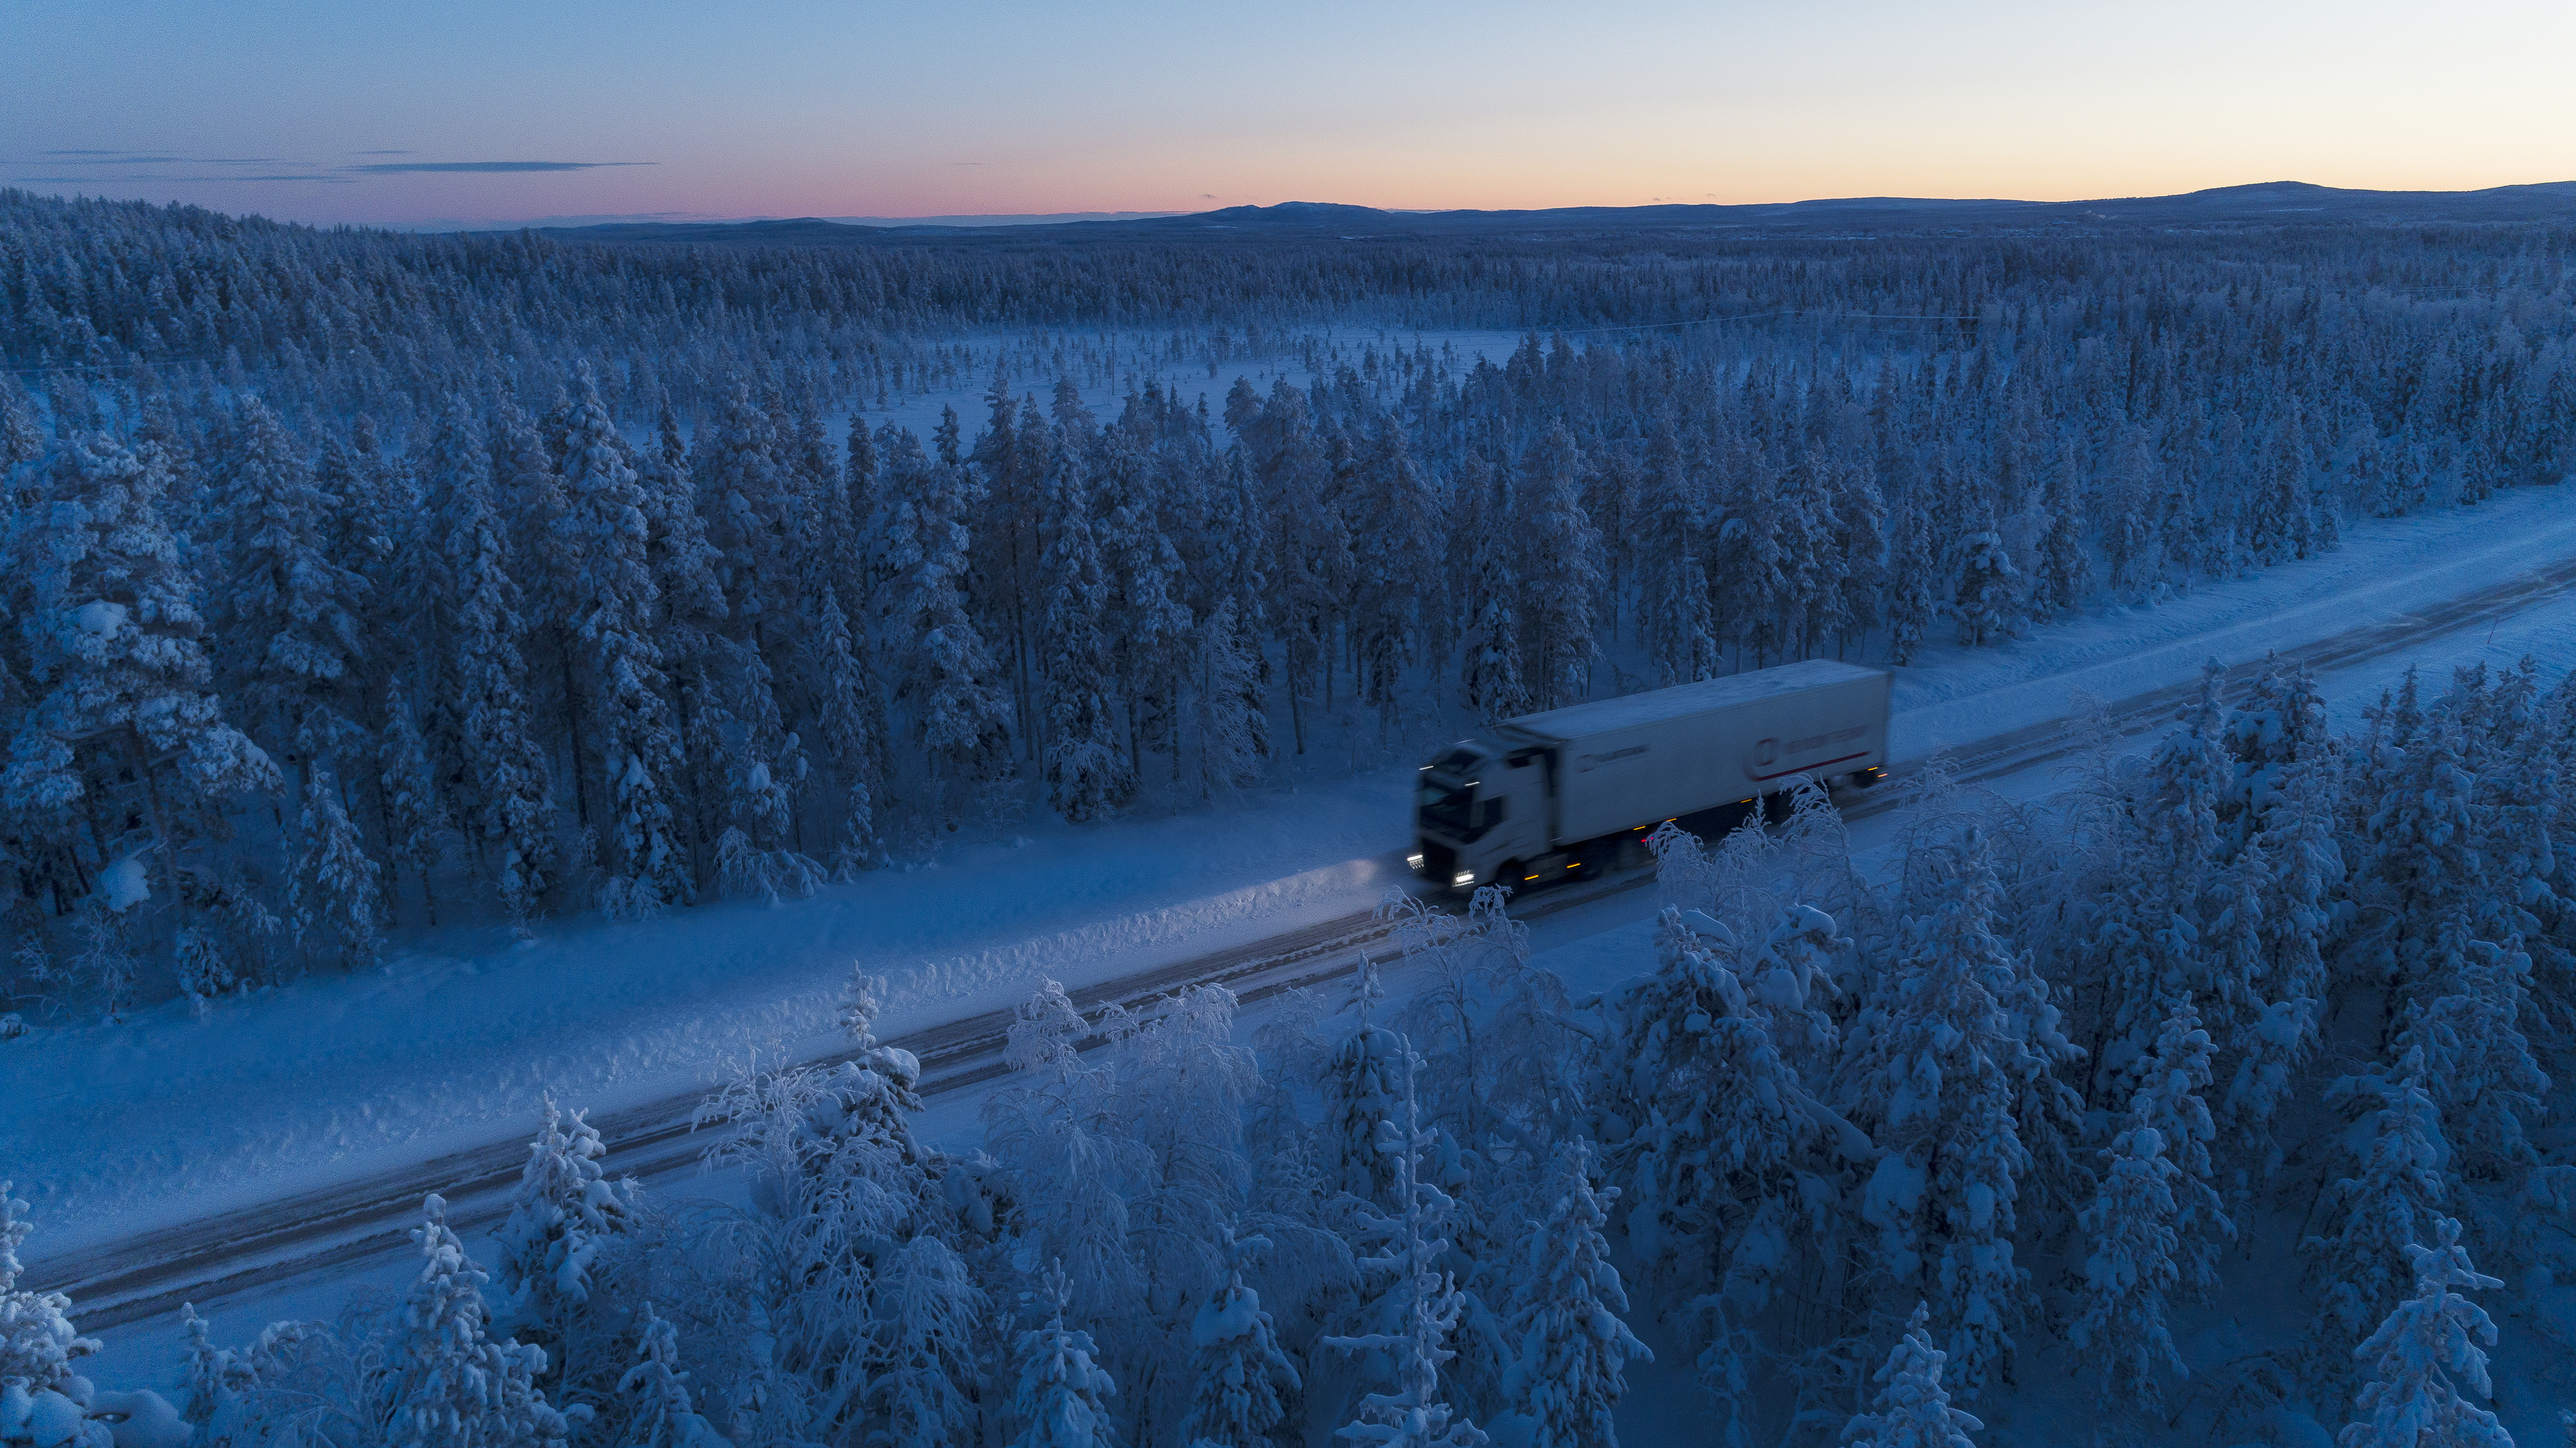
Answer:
(1563, 794)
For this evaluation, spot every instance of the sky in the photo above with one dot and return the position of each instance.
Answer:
(474, 113)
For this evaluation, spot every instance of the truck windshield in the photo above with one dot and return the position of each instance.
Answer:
(1445, 807)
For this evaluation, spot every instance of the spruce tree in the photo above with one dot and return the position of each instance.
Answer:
(1061, 1399)
(663, 1414)
(445, 1383)
(1087, 776)
(628, 716)
(1913, 1409)
(2428, 1355)
(1571, 1368)
(1245, 1383)
(334, 899)
(122, 689)
(1560, 575)
(473, 630)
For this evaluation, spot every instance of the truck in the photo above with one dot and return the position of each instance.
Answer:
(1566, 793)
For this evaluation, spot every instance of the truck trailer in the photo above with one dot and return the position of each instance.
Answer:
(1561, 794)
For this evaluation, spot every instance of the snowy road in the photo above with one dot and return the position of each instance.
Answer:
(320, 1234)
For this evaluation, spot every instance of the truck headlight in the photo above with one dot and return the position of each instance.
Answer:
(1463, 879)
(1414, 860)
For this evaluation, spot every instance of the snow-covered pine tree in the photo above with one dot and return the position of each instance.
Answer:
(1680, 632)
(2278, 725)
(1987, 601)
(1722, 1142)
(288, 610)
(333, 898)
(1087, 775)
(2064, 574)
(1055, 1131)
(473, 629)
(948, 676)
(444, 1380)
(2478, 1063)
(751, 509)
(2398, 1182)
(922, 1345)
(1565, 1314)
(1753, 566)
(1935, 1067)
(565, 1216)
(662, 1414)
(1913, 1409)
(1860, 522)
(1146, 624)
(620, 667)
(414, 820)
(2427, 1352)
(1232, 726)
(1395, 529)
(2129, 1229)
(1491, 667)
(122, 688)
(1560, 575)
(38, 1344)
(1913, 599)
(2170, 1103)
(853, 747)
(1181, 1088)
(1246, 1385)
(1419, 1304)
(1363, 1095)
(1061, 1399)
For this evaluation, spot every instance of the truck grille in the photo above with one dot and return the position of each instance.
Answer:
(1438, 861)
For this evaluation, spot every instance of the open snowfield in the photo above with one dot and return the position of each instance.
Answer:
(458, 1039)
(920, 411)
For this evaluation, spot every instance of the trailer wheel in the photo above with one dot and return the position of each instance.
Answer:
(1775, 807)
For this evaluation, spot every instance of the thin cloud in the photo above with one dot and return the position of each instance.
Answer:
(384, 153)
(386, 168)
(129, 177)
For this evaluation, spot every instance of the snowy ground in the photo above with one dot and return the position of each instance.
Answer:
(165, 1119)
(1192, 384)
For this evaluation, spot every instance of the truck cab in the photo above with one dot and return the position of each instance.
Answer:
(1482, 804)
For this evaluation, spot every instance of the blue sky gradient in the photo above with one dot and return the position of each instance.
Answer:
(480, 113)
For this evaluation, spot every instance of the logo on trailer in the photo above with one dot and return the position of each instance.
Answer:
(1762, 761)
(1583, 762)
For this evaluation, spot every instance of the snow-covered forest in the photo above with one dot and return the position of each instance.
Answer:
(358, 581)
(357, 578)
(2262, 1016)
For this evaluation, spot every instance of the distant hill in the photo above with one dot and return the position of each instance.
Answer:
(2264, 204)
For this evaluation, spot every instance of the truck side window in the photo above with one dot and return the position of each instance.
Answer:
(1495, 810)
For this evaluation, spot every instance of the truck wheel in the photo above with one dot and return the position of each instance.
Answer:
(1508, 875)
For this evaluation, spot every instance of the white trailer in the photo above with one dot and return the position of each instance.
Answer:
(1552, 795)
